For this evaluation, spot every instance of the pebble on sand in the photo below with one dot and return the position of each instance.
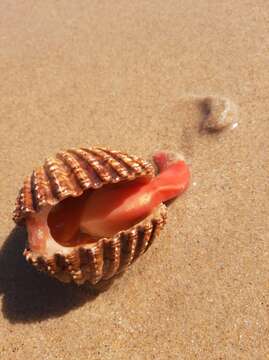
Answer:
(219, 113)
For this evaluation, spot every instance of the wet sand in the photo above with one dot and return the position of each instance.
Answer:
(128, 76)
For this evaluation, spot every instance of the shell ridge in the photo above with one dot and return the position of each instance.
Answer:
(74, 265)
(92, 165)
(57, 176)
(108, 163)
(125, 161)
(129, 241)
(41, 187)
(27, 196)
(112, 251)
(37, 191)
(121, 170)
(136, 164)
(144, 234)
(146, 165)
(24, 203)
(97, 261)
(152, 235)
(81, 176)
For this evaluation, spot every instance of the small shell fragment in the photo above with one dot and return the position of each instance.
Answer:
(219, 113)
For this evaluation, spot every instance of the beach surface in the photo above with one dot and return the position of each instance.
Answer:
(132, 76)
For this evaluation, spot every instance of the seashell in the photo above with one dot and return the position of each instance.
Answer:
(69, 175)
(219, 113)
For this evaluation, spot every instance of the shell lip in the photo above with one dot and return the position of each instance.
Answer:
(74, 171)
(104, 258)
(159, 211)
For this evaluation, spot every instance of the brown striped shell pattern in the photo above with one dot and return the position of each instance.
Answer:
(69, 174)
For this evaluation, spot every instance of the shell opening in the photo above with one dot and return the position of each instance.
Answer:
(85, 219)
(102, 213)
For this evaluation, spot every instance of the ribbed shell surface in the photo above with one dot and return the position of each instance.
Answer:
(73, 171)
(70, 173)
(105, 258)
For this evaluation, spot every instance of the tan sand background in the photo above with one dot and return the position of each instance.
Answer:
(120, 74)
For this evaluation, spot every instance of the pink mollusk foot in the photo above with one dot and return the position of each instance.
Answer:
(110, 210)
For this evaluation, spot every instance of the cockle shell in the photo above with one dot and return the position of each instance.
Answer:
(70, 173)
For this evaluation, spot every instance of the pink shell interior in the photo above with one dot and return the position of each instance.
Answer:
(103, 212)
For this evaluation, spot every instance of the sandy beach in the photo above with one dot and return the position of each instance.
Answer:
(131, 76)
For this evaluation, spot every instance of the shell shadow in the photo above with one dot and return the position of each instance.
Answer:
(28, 295)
